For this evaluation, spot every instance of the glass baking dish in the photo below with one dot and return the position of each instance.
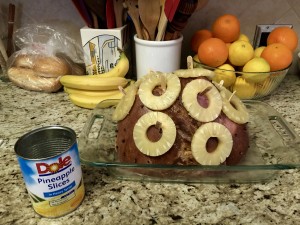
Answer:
(274, 146)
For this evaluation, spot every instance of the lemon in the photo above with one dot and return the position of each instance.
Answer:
(226, 73)
(196, 62)
(243, 37)
(244, 89)
(240, 52)
(256, 70)
(195, 58)
(265, 87)
(258, 51)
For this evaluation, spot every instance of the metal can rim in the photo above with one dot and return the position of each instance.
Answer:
(34, 131)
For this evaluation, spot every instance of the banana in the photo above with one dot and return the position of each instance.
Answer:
(91, 82)
(89, 92)
(100, 82)
(90, 102)
(120, 70)
(90, 99)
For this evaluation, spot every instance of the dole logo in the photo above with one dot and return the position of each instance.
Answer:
(43, 168)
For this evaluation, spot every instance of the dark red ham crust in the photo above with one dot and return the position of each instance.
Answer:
(180, 153)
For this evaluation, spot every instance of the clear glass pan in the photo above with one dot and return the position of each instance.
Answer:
(274, 146)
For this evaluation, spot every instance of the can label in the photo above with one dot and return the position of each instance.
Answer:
(55, 184)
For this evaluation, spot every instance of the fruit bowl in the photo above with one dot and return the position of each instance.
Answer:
(247, 90)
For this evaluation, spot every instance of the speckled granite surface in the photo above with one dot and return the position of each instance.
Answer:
(110, 201)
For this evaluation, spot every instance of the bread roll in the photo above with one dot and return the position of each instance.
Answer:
(24, 61)
(45, 66)
(51, 66)
(29, 80)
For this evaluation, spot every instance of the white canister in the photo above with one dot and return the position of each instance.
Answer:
(163, 56)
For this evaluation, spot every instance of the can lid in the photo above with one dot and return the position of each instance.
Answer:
(45, 142)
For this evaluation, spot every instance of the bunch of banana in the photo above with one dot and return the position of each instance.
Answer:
(87, 91)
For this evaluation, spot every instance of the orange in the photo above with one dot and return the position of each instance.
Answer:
(284, 35)
(198, 37)
(227, 28)
(278, 56)
(213, 52)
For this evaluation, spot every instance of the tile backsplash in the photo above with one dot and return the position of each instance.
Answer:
(63, 15)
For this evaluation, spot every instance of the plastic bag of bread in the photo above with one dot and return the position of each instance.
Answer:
(44, 56)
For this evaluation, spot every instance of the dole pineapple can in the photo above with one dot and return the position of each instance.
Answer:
(50, 165)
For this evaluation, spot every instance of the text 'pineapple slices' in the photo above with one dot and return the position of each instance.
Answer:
(171, 86)
(166, 140)
(191, 104)
(199, 142)
(233, 107)
(124, 106)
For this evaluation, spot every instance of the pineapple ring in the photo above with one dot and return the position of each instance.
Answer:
(200, 139)
(195, 72)
(190, 102)
(167, 139)
(125, 104)
(233, 107)
(164, 101)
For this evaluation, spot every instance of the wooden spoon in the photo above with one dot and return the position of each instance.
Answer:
(149, 14)
(133, 12)
(162, 24)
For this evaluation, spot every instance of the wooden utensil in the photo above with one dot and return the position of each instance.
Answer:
(149, 13)
(133, 12)
(162, 23)
(118, 9)
(145, 33)
(10, 26)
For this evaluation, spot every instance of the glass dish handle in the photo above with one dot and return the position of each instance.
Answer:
(284, 129)
(100, 119)
(93, 127)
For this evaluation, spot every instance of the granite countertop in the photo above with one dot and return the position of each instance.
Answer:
(111, 201)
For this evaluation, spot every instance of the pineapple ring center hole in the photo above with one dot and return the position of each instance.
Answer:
(202, 100)
(212, 144)
(158, 90)
(154, 132)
